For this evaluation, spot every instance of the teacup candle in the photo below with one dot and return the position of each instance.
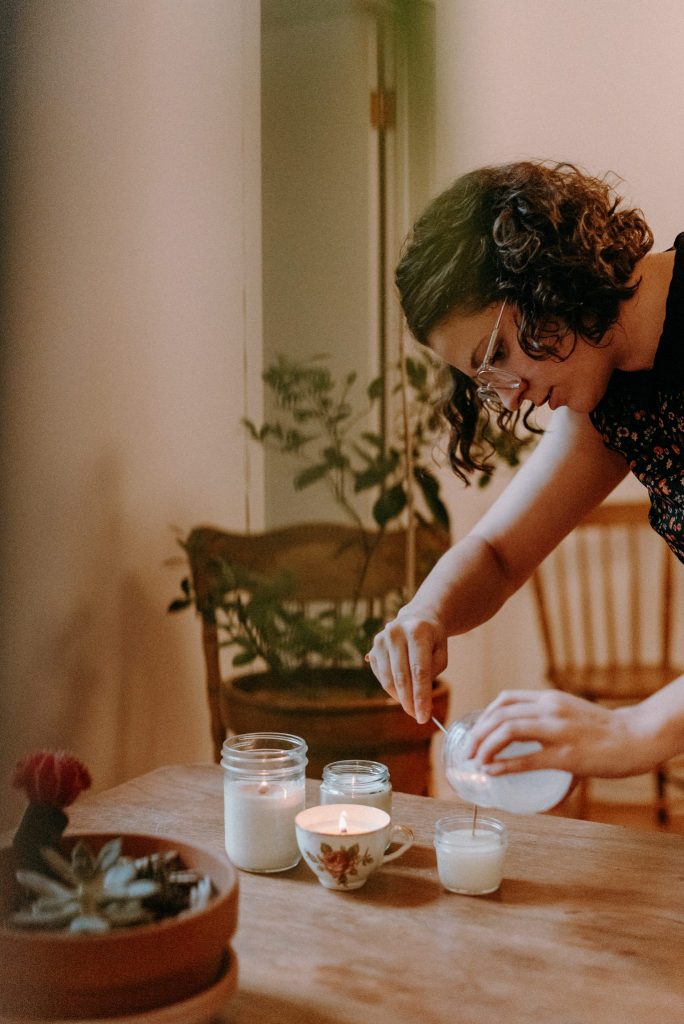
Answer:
(470, 853)
(344, 843)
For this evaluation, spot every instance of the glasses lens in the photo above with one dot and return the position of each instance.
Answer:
(491, 377)
(490, 399)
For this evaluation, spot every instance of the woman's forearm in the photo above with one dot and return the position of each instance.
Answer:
(657, 724)
(466, 587)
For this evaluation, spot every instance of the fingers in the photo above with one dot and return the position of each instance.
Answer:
(508, 705)
(529, 763)
(406, 656)
(518, 730)
(508, 699)
(401, 674)
(569, 733)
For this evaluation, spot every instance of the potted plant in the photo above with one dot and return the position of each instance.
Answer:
(97, 925)
(305, 601)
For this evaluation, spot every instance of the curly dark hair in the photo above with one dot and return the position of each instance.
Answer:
(550, 239)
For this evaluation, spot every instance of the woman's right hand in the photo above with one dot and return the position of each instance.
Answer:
(407, 655)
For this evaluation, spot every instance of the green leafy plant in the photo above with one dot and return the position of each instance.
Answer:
(330, 437)
(260, 618)
(379, 479)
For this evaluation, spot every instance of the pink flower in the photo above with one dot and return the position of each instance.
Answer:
(53, 779)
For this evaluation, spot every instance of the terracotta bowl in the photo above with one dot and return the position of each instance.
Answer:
(46, 974)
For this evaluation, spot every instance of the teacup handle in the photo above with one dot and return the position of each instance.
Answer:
(409, 839)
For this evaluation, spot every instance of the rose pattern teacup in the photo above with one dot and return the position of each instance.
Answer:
(340, 864)
(344, 843)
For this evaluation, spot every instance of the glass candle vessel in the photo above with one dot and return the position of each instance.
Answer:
(263, 791)
(470, 859)
(357, 782)
(519, 792)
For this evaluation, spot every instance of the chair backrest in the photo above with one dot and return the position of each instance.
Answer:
(606, 603)
(326, 560)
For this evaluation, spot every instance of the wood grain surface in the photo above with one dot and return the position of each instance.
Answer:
(587, 927)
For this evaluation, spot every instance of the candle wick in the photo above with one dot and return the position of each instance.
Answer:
(474, 819)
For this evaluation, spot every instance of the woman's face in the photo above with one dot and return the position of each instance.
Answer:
(578, 381)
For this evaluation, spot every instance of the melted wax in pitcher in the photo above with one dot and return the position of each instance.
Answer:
(520, 792)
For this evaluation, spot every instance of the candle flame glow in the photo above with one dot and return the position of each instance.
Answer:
(263, 788)
(343, 823)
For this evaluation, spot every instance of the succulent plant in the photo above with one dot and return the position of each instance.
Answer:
(107, 890)
(179, 889)
(96, 892)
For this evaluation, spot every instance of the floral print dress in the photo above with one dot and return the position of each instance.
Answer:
(641, 416)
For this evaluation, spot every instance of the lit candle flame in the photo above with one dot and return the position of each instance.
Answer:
(263, 788)
(343, 823)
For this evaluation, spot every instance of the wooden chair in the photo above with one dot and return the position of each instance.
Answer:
(327, 561)
(606, 609)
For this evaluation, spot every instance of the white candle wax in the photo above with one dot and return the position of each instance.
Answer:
(470, 861)
(259, 823)
(380, 798)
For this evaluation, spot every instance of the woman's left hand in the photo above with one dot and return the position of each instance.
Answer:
(577, 735)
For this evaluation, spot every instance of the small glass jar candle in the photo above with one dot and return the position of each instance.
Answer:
(470, 858)
(263, 791)
(357, 782)
(519, 792)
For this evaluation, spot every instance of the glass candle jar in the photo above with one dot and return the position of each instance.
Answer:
(519, 792)
(263, 791)
(360, 782)
(470, 856)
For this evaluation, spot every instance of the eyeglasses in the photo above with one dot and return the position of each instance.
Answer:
(490, 378)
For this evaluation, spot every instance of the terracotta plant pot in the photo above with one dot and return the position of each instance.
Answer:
(341, 713)
(49, 974)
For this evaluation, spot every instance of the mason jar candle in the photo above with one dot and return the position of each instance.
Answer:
(470, 855)
(263, 791)
(357, 782)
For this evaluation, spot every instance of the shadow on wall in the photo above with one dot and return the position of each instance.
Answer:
(105, 673)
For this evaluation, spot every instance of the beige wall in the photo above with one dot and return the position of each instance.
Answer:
(597, 83)
(133, 305)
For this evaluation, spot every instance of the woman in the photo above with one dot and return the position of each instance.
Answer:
(536, 287)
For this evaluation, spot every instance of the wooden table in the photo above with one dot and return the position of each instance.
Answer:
(587, 928)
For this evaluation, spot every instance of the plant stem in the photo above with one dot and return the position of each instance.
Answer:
(410, 584)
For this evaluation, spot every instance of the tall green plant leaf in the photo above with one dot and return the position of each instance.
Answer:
(310, 475)
(389, 505)
(429, 486)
